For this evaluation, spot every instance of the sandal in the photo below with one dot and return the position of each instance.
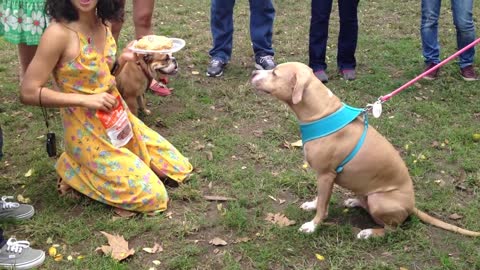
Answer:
(160, 88)
(64, 190)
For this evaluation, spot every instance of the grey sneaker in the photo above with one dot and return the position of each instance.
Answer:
(215, 67)
(19, 255)
(14, 209)
(321, 75)
(265, 62)
(348, 74)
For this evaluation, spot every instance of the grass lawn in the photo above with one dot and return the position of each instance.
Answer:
(235, 137)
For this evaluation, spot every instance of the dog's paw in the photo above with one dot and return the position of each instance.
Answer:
(308, 227)
(309, 206)
(352, 202)
(365, 234)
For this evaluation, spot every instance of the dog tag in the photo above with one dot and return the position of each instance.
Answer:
(377, 109)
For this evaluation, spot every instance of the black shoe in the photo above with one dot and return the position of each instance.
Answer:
(215, 67)
(264, 62)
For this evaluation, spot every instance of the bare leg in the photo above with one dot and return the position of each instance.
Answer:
(25, 56)
(117, 25)
(142, 17)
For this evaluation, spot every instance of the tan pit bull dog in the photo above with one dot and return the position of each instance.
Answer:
(135, 78)
(376, 174)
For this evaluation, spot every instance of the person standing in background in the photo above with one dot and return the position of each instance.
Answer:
(462, 11)
(262, 14)
(22, 22)
(347, 38)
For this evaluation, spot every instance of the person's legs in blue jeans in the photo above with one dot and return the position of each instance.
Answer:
(429, 31)
(262, 14)
(318, 36)
(347, 38)
(463, 20)
(2, 239)
(221, 26)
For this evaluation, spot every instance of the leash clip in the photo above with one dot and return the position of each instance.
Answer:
(376, 108)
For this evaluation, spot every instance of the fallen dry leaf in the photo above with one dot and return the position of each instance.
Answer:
(455, 216)
(242, 240)
(155, 249)
(440, 182)
(297, 144)
(209, 155)
(29, 173)
(285, 144)
(258, 133)
(58, 257)
(117, 248)
(156, 262)
(273, 198)
(218, 198)
(305, 165)
(199, 146)
(403, 268)
(22, 199)
(123, 213)
(195, 72)
(319, 257)
(218, 242)
(52, 251)
(279, 219)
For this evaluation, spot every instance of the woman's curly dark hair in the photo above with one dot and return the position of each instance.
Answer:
(63, 10)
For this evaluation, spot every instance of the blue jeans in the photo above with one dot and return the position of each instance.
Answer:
(463, 21)
(262, 14)
(2, 240)
(347, 38)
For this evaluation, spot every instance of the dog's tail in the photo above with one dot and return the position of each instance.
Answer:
(438, 223)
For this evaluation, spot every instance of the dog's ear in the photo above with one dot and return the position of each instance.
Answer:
(298, 89)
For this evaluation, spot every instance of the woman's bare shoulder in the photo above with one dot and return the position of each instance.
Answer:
(56, 33)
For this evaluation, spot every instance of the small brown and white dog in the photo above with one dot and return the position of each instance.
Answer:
(376, 174)
(135, 78)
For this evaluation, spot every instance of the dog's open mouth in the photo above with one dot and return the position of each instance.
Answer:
(167, 71)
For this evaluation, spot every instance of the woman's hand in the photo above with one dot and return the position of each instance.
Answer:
(103, 101)
(127, 54)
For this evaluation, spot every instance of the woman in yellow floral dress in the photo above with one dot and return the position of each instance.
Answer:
(110, 155)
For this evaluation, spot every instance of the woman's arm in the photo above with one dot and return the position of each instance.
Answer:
(126, 56)
(53, 45)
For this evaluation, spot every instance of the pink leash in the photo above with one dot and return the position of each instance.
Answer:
(382, 99)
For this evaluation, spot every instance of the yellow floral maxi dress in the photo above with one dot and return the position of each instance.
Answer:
(91, 164)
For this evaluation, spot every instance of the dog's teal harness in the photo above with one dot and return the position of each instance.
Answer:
(333, 123)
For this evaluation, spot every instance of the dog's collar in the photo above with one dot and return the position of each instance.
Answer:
(143, 64)
(333, 123)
